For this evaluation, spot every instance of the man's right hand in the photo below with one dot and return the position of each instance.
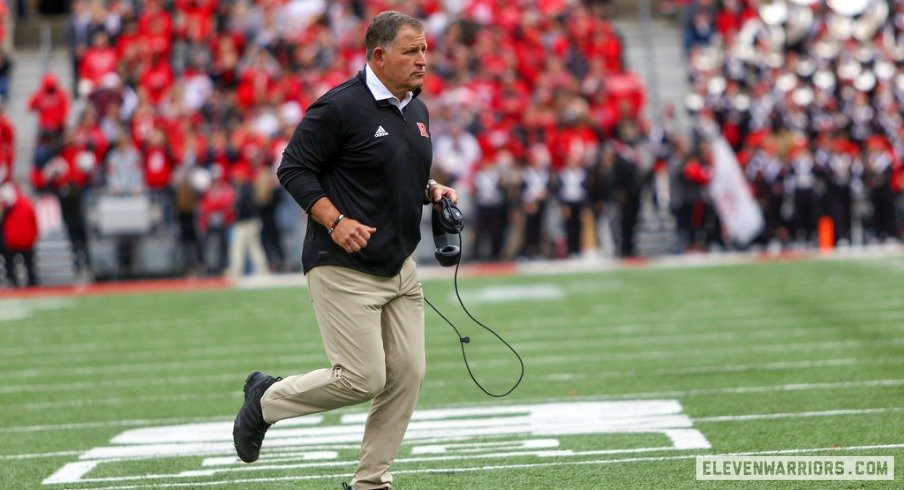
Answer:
(351, 235)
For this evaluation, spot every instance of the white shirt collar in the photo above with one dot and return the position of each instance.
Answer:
(380, 92)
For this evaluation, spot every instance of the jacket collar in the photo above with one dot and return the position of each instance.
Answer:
(380, 93)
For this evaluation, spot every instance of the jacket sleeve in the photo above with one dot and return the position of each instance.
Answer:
(310, 152)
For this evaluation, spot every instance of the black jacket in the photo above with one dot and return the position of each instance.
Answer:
(372, 162)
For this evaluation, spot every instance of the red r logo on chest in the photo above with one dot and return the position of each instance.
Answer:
(423, 128)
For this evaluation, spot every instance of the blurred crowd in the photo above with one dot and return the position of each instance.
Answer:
(534, 116)
(196, 99)
(809, 94)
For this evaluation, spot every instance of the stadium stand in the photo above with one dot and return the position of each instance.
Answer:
(537, 117)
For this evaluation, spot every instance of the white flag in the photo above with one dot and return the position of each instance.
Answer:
(741, 216)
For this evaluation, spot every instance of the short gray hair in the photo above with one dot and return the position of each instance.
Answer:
(384, 28)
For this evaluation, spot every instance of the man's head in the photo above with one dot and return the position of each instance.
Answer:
(397, 51)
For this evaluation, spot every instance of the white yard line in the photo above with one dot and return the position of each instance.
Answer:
(878, 383)
(709, 391)
(723, 368)
(298, 358)
(478, 469)
(57, 454)
(112, 423)
(780, 365)
(455, 365)
(152, 422)
(527, 341)
(121, 382)
(138, 354)
(144, 324)
(603, 323)
(571, 339)
(739, 348)
(146, 367)
(799, 415)
(169, 421)
(121, 401)
(529, 328)
(190, 380)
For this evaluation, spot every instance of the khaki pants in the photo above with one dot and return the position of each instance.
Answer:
(246, 239)
(373, 331)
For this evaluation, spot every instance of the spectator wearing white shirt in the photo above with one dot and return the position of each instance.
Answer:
(456, 153)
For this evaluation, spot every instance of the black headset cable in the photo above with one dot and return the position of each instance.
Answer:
(466, 340)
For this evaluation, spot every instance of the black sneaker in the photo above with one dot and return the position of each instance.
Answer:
(249, 428)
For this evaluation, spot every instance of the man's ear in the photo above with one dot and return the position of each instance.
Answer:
(378, 53)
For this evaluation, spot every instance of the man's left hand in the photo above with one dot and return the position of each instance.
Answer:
(439, 191)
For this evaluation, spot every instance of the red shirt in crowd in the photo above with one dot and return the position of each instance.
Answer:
(196, 22)
(253, 89)
(572, 143)
(66, 169)
(217, 205)
(154, 18)
(51, 103)
(97, 62)
(157, 79)
(7, 149)
(20, 225)
(158, 40)
(697, 173)
(91, 138)
(158, 166)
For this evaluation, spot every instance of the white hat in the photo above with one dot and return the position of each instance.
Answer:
(848, 8)
(8, 194)
(110, 80)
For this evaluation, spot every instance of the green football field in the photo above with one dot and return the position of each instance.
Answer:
(630, 374)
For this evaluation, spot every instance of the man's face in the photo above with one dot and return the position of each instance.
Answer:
(403, 64)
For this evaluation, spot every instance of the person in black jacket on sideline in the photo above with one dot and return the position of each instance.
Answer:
(358, 164)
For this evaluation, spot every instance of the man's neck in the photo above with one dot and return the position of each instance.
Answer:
(395, 93)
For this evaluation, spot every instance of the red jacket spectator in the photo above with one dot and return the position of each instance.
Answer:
(51, 103)
(157, 40)
(7, 149)
(606, 45)
(497, 136)
(128, 43)
(731, 17)
(154, 14)
(195, 20)
(74, 166)
(575, 142)
(20, 222)
(627, 88)
(251, 146)
(144, 122)
(4, 12)
(81, 163)
(88, 136)
(695, 172)
(158, 162)
(99, 60)
(218, 204)
(157, 79)
(254, 87)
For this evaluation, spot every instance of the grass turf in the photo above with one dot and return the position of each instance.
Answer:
(812, 351)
